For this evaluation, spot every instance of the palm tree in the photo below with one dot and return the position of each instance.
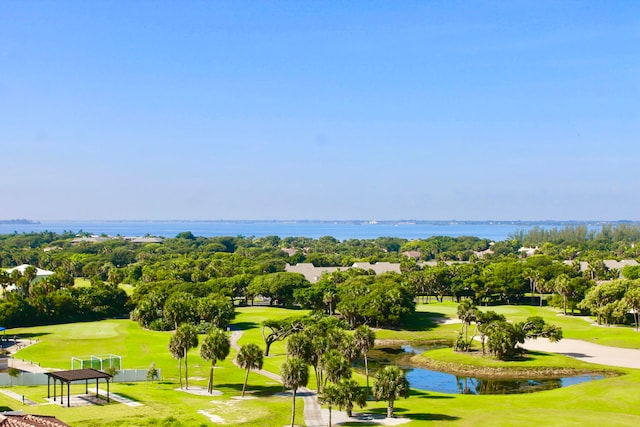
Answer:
(300, 345)
(334, 366)
(467, 314)
(348, 348)
(295, 374)
(185, 338)
(330, 396)
(177, 353)
(5, 281)
(390, 385)
(483, 324)
(364, 340)
(562, 286)
(250, 357)
(349, 392)
(215, 346)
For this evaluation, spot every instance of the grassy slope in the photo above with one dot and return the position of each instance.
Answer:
(612, 401)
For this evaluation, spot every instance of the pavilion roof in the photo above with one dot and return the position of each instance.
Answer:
(78, 375)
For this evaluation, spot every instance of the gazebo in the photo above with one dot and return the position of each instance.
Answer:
(67, 377)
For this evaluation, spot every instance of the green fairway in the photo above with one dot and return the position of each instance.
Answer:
(423, 326)
(613, 401)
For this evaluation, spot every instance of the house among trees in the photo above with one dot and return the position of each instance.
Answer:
(40, 273)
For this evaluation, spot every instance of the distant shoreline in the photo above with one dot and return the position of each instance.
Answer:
(18, 221)
(528, 223)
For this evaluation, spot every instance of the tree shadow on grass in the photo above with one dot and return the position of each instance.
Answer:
(251, 390)
(29, 335)
(242, 326)
(419, 394)
(432, 417)
(420, 322)
(127, 396)
(402, 412)
(5, 409)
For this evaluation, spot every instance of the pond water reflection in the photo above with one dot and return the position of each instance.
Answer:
(426, 379)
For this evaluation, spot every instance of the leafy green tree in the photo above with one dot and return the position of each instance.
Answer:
(180, 308)
(390, 385)
(278, 287)
(152, 373)
(632, 300)
(215, 347)
(603, 300)
(504, 337)
(13, 373)
(278, 329)
(250, 357)
(218, 310)
(295, 374)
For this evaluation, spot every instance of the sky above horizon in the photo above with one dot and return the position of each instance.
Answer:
(498, 110)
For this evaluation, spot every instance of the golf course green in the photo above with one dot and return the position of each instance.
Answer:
(613, 401)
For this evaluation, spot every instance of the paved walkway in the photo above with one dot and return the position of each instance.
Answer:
(588, 352)
(17, 397)
(312, 412)
(23, 365)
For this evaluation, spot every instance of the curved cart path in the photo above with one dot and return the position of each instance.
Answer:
(588, 352)
(312, 413)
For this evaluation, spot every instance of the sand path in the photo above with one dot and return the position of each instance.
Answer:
(588, 352)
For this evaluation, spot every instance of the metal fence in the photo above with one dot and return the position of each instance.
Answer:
(38, 378)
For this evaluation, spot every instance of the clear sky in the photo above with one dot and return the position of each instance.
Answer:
(320, 109)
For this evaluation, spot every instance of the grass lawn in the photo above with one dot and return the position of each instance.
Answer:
(83, 282)
(422, 326)
(612, 401)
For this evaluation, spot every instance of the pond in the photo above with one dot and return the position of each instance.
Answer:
(442, 382)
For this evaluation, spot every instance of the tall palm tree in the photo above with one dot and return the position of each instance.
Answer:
(177, 353)
(364, 340)
(330, 396)
(185, 338)
(215, 346)
(250, 357)
(390, 385)
(562, 285)
(300, 345)
(334, 366)
(467, 314)
(5, 281)
(295, 374)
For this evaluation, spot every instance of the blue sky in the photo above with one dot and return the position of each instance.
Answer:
(320, 110)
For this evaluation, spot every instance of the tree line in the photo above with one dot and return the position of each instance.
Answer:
(211, 275)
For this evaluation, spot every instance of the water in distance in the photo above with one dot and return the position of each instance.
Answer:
(341, 230)
(442, 382)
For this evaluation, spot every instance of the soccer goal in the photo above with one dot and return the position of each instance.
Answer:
(99, 362)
